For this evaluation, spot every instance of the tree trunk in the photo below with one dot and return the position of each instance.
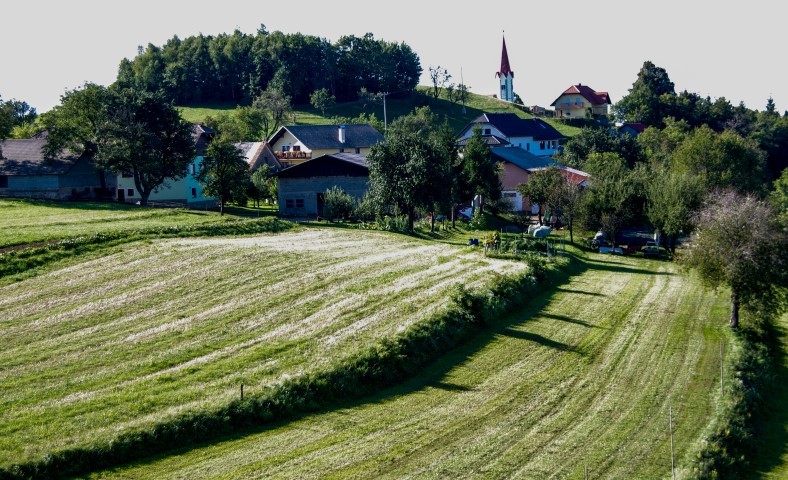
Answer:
(411, 214)
(221, 208)
(432, 223)
(571, 238)
(103, 184)
(734, 309)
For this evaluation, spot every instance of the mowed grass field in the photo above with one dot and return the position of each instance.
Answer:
(32, 221)
(133, 338)
(583, 377)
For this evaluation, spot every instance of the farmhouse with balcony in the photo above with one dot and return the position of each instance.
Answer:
(298, 143)
(26, 172)
(581, 101)
(302, 187)
(532, 134)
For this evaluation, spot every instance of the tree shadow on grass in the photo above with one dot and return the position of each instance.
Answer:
(564, 318)
(620, 267)
(432, 375)
(581, 292)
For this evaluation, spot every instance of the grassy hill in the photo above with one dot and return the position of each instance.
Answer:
(476, 105)
(583, 377)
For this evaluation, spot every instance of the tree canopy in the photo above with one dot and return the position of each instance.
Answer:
(738, 245)
(238, 66)
(224, 173)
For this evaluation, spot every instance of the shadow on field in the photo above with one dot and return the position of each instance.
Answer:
(581, 292)
(564, 318)
(770, 446)
(434, 374)
(620, 267)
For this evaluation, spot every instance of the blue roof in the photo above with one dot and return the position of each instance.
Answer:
(523, 159)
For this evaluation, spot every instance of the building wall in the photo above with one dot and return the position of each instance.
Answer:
(535, 147)
(173, 190)
(506, 88)
(82, 181)
(575, 106)
(512, 176)
(306, 189)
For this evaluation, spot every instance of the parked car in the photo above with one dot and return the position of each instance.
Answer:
(651, 250)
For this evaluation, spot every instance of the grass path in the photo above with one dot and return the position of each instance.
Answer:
(582, 377)
(127, 340)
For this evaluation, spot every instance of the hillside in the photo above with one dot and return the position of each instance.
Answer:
(583, 377)
(476, 105)
(124, 341)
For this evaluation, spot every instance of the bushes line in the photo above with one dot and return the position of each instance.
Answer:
(389, 362)
(18, 261)
(726, 452)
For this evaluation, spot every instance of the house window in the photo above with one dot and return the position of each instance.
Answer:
(358, 150)
(541, 145)
(285, 148)
(289, 203)
(194, 192)
(296, 148)
(193, 168)
(299, 203)
(125, 175)
(341, 150)
(509, 195)
(3, 181)
(487, 131)
(130, 192)
(528, 146)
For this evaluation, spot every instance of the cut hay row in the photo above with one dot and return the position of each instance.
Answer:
(583, 377)
(170, 326)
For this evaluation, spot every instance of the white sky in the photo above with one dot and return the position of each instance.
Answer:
(716, 48)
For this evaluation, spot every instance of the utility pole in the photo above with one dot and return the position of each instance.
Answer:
(672, 458)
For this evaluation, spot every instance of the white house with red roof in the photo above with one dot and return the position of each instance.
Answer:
(505, 76)
(581, 101)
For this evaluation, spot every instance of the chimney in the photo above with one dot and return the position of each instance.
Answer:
(342, 134)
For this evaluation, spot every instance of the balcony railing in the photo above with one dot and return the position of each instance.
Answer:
(293, 155)
(567, 105)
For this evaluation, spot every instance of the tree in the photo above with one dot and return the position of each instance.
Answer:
(6, 120)
(481, 175)
(722, 160)
(570, 196)
(409, 172)
(322, 99)
(543, 188)
(264, 184)
(144, 135)
(599, 140)
(611, 200)
(440, 78)
(273, 108)
(224, 173)
(649, 97)
(737, 244)
(338, 204)
(672, 200)
(779, 199)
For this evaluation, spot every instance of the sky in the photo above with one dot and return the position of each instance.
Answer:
(715, 48)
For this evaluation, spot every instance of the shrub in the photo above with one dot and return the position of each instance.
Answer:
(338, 204)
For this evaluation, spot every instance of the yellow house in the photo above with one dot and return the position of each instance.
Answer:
(581, 101)
(296, 144)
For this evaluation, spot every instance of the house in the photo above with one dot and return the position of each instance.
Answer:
(183, 190)
(532, 134)
(26, 172)
(258, 154)
(505, 76)
(581, 101)
(518, 165)
(632, 128)
(296, 144)
(302, 186)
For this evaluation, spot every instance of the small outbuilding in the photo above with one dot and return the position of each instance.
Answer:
(302, 187)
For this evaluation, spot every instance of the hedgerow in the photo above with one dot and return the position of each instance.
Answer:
(387, 363)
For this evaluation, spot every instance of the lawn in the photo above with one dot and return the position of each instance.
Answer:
(33, 221)
(584, 376)
(157, 328)
(475, 106)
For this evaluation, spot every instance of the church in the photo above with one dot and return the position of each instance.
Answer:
(505, 76)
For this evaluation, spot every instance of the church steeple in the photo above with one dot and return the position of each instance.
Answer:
(506, 76)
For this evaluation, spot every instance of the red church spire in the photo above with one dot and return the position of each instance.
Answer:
(505, 69)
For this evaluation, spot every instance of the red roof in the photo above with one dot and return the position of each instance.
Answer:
(594, 97)
(505, 68)
(638, 127)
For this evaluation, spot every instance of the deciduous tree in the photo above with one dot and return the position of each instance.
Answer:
(322, 99)
(224, 173)
(737, 244)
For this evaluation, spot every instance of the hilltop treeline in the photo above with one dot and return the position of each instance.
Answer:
(237, 67)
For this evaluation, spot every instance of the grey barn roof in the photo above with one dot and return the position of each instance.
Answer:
(523, 158)
(490, 140)
(329, 165)
(320, 137)
(26, 157)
